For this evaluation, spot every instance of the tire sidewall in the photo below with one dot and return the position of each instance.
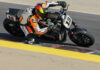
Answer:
(86, 33)
(18, 32)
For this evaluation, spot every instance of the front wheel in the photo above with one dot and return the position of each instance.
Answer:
(81, 38)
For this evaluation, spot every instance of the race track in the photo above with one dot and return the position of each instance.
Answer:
(88, 21)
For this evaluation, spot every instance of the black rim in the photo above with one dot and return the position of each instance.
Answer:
(83, 39)
(12, 28)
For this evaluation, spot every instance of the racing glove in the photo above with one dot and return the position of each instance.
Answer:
(50, 27)
(49, 24)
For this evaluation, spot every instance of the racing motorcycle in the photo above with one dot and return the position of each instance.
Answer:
(63, 26)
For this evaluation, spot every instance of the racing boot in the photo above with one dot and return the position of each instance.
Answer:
(31, 39)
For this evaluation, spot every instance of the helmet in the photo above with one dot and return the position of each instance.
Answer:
(41, 10)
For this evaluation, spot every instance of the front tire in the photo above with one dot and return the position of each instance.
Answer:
(82, 39)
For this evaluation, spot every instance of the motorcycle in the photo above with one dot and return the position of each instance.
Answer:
(62, 23)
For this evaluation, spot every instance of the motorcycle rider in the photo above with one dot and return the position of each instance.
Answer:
(31, 21)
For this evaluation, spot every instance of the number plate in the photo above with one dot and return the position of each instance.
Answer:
(67, 22)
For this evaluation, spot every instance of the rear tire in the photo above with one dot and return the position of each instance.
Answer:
(13, 28)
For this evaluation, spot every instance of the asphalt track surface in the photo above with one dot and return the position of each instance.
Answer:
(88, 21)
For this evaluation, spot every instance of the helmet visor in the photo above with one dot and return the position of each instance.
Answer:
(42, 14)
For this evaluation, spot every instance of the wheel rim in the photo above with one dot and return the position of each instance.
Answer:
(11, 26)
(83, 39)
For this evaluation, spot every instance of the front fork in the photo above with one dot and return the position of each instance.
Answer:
(75, 26)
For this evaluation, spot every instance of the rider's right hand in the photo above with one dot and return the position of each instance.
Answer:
(50, 27)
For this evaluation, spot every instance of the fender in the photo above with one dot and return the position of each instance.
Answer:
(79, 30)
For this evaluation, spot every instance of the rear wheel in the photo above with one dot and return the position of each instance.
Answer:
(13, 28)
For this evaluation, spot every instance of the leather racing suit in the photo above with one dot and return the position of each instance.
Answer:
(30, 24)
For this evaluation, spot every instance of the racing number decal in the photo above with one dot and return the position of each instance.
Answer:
(69, 20)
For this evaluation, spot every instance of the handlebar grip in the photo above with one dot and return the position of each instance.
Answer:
(62, 3)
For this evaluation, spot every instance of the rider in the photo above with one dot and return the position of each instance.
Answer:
(31, 21)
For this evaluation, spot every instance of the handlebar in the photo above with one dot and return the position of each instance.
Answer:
(63, 10)
(62, 3)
